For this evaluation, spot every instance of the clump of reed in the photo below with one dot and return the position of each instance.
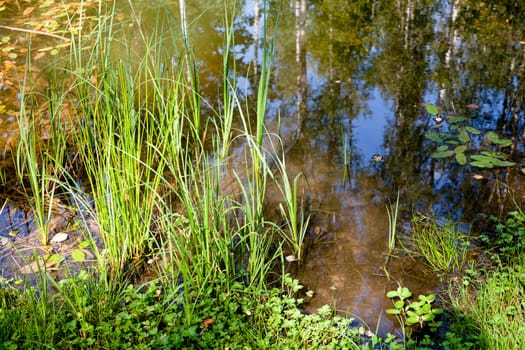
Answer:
(443, 246)
(154, 166)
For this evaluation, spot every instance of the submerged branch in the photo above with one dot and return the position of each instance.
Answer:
(35, 32)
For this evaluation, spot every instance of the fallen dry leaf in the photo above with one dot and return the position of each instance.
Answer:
(59, 237)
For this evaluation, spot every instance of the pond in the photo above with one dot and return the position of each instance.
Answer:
(349, 90)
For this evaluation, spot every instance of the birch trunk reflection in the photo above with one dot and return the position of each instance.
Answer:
(300, 60)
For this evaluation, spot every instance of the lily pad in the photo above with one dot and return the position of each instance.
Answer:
(443, 154)
(461, 158)
(455, 120)
(473, 130)
(433, 136)
(463, 136)
(489, 161)
(460, 149)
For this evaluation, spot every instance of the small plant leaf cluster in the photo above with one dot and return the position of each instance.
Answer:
(509, 239)
(417, 312)
(457, 141)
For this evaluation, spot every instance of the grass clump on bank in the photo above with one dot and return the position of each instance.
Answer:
(443, 247)
(489, 303)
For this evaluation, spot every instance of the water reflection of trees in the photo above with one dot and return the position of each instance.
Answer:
(470, 65)
(330, 54)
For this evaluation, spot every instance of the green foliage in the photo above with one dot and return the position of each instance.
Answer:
(456, 142)
(442, 246)
(392, 213)
(508, 240)
(84, 314)
(488, 305)
(417, 312)
(491, 317)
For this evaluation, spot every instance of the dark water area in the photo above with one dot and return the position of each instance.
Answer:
(350, 83)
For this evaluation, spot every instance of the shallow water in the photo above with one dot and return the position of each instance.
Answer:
(350, 82)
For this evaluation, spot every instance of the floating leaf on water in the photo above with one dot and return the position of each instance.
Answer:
(455, 120)
(39, 55)
(483, 157)
(463, 136)
(28, 11)
(442, 148)
(443, 154)
(59, 237)
(489, 160)
(480, 164)
(432, 109)
(492, 136)
(505, 142)
(13, 233)
(503, 163)
(433, 136)
(460, 149)
(12, 55)
(473, 130)
(493, 155)
(461, 158)
(78, 255)
(46, 49)
(6, 39)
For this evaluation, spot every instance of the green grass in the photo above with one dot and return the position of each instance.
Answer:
(489, 306)
(392, 213)
(443, 247)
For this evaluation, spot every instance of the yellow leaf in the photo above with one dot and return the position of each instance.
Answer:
(28, 11)
(39, 55)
